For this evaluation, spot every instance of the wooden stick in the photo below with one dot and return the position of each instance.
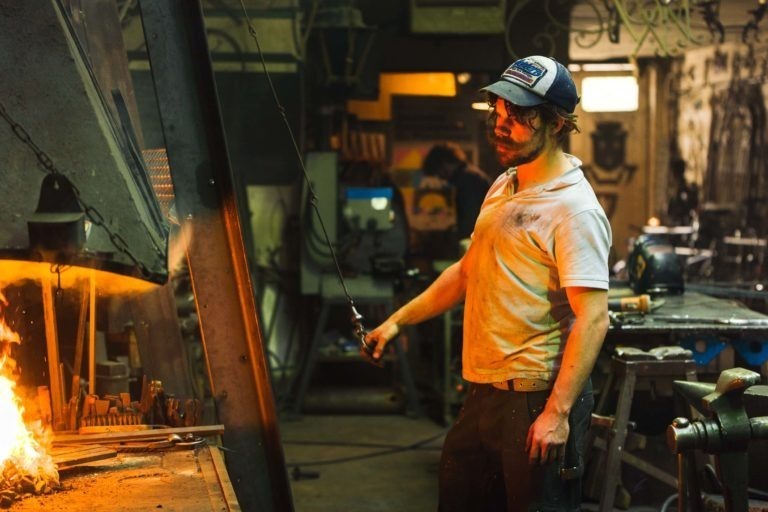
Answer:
(52, 345)
(64, 402)
(62, 380)
(44, 403)
(223, 479)
(92, 335)
(74, 402)
(141, 435)
(80, 336)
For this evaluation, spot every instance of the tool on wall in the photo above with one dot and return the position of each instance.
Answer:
(753, 25)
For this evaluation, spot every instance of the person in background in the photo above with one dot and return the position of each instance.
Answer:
(534, 284)
(684, 199)
(448, 162)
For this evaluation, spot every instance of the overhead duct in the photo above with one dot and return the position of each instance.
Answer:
(57, 132)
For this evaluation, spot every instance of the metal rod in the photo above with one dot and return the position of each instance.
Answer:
(207, 202)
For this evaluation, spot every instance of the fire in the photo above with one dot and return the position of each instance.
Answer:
(21, 445)
(25, 464)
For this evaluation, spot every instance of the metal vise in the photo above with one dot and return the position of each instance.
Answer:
(725, 432)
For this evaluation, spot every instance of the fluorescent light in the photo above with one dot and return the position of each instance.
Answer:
(607, 66)
(604, 67)
(609, 94)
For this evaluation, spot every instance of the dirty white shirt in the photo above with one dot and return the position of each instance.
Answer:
(526, 248)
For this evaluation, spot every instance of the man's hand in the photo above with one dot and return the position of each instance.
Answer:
(439, 297)
(382, 335)
(547, 437)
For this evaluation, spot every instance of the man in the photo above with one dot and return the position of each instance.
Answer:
(534, 283)
(448, 162)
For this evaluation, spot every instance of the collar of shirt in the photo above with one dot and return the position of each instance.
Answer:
(568, 178)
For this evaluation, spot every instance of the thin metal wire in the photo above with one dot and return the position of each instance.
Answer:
(312, 196)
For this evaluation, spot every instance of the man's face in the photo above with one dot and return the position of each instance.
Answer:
(517, 133)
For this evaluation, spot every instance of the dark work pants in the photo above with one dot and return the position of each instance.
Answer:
(484, 466)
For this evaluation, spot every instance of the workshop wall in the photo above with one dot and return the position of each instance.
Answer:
(706, 108)
(721, 136)
(614, 149)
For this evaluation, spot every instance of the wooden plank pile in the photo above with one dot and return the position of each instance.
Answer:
(71, 455)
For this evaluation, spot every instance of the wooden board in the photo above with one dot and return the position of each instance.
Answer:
(71, 455)
(222, 478)
(142, 435)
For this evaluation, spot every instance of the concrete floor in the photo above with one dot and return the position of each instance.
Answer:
(362, 463)
(370, 463)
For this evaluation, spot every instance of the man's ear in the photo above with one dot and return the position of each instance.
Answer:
(558, 124)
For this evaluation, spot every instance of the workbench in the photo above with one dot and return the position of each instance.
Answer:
(710, 327)
(713, 329)
(704, 324)
(189, 480)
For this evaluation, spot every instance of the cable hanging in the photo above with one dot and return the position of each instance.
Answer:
(356, 318)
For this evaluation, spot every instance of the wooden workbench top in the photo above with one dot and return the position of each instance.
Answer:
(190, 480)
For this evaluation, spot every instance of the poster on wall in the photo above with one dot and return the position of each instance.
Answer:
(429, 201)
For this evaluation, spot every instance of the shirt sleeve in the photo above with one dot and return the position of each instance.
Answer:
(582, 245)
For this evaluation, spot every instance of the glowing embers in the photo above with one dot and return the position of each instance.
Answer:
(73, 276)
(26, 466)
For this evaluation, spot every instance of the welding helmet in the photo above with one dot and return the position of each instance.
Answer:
(654, 268)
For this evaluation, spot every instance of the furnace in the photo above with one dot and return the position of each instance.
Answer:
(95, 365)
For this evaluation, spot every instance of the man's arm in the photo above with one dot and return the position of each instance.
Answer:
(549, 433)
(447, 291)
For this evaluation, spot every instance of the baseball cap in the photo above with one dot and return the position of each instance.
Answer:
(535, 80)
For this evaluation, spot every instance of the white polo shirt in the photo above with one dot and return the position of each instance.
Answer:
(526, 248)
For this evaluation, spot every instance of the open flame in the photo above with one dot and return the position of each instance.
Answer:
(26, 466)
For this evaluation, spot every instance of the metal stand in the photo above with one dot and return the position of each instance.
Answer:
(627, 372)
(366, 292)
(449, 394)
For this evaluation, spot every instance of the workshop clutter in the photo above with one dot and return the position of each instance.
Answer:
(155, 408)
